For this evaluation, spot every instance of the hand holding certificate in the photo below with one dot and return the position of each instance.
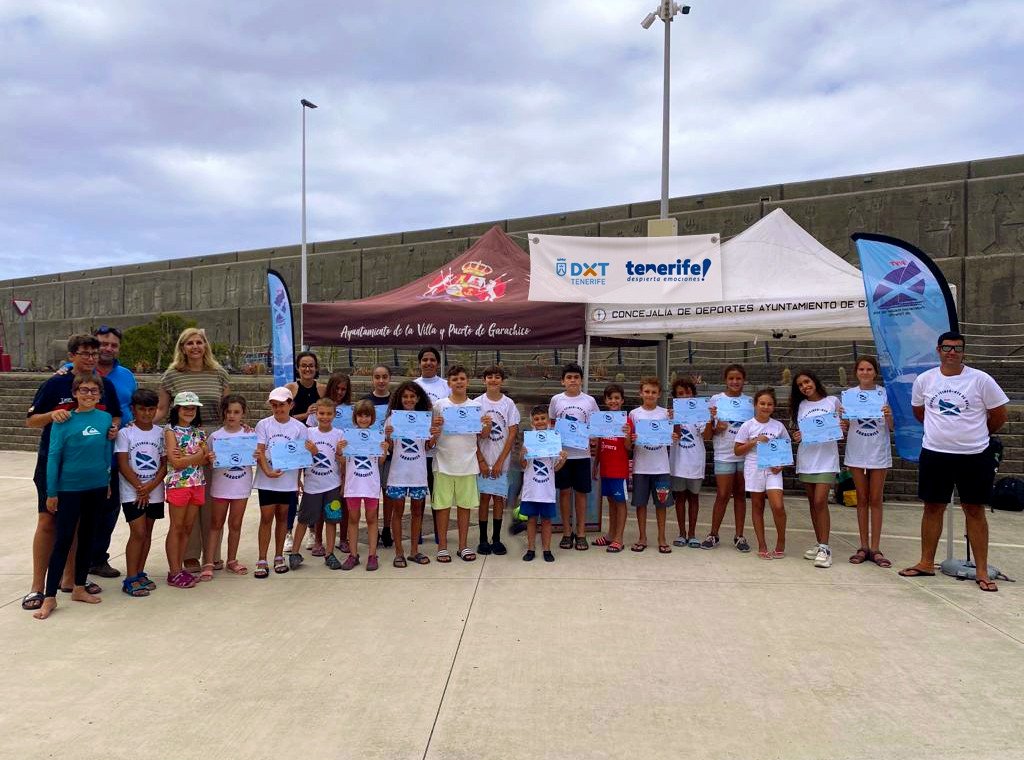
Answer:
(859, 404)
(821, 428)
(540, 444)
(607, 424)
(738, 409)
(411, 425)
(775, 453)
(653, 432)
(461, 420)
(690, 411)
(574, 434)
(236, 451)
(363, 442)
(290, 455)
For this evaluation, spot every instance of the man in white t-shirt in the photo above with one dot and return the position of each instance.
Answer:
(960, 408)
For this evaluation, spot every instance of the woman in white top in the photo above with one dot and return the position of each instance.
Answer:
(869, 457)
(816, 463)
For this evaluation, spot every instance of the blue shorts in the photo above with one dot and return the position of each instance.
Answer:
(545, 510)
(728, 468)
(614, 488)
(647, 487)
(575, 474)
(400, 492)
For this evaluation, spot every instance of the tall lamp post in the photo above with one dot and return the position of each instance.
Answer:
(666, 11)
(305, 104)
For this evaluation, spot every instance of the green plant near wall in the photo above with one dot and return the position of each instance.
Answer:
(150, 347)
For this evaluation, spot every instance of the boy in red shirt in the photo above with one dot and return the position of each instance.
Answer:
(612, 463)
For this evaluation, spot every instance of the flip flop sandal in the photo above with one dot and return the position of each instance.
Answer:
(207, 574)
(986, 585)
(638, 547)
(567, 542)
(694, 543)
(778, 555)
(90, 588)
(236, 567)
(32, 600)
(467, 554)
(614, 547)
(420, 559)
(280, 566)
(400, 562)
(766, 555)
(860, 555)
(262, 570)
(582, 544)
(602, 541)
(681, 541)
(914, 572)
(443, 556)
(880, 559)
(664, 549)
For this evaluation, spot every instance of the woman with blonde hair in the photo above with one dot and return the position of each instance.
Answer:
(194, 369)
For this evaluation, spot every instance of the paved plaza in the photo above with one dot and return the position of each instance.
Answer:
(696, 654)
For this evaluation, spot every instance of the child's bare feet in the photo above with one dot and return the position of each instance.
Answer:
(49, 605)
(79, 594)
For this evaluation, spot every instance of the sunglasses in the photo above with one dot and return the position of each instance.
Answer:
(954, 349)
(107, 330)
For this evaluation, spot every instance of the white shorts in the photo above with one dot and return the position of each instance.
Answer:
(759, 480)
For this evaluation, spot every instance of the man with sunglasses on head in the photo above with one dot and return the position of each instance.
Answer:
(53, 403)
(961, 407)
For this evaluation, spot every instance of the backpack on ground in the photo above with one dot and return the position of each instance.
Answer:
(1008, 494)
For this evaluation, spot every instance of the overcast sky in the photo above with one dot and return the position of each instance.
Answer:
(136, 130)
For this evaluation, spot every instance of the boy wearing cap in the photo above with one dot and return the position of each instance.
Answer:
(274, 486)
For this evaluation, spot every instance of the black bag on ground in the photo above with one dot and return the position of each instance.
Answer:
(1008, 494)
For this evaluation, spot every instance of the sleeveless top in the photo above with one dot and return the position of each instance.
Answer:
(305, 398)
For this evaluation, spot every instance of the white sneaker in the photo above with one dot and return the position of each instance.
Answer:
(812, 553)
(288, 546)
(824, 558)
(310, 540)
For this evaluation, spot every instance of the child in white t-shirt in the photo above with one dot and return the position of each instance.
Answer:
(142, 465)
(763, 482)
(493, 455)
(816, 463)
(728, 466)
(321, 484)
(362, 488)
(688, 462)
(537, 499)
(407, 476)
(650, 468)
(229, 486)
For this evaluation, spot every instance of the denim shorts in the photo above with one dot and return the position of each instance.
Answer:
(728, 468)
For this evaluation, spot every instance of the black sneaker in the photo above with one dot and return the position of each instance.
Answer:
(549, 557)
(483, 548)
(741, 544)
(529, 556)
(104, 571)
(498, 548)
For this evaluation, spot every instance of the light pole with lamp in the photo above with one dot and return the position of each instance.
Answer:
(305, 104)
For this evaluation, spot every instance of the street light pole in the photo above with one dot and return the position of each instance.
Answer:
(305, 104)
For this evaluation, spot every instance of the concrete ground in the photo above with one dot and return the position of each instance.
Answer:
(697, 654)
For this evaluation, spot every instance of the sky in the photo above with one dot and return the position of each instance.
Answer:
(143, 130)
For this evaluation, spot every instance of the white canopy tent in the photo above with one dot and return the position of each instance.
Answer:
(778, 282)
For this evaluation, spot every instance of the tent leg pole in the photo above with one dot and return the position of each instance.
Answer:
(662, 366)
(586, 366)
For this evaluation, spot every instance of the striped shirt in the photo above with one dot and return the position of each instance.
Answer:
(209, 384)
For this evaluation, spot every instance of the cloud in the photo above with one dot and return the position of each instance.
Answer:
(149, 130)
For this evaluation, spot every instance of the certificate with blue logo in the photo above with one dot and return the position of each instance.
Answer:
(290, 455)
(495, 486)
(461, 420)
(414, 426)
(690, 411)
(343, 417)
(653, 432)
(859, 404)
(821, 428)
(738, 409)
(775, 453)
(540, 444)
(363, 442)
(575, 435)
(607, 424)
(236, 451)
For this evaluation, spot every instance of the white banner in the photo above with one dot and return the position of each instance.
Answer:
(682, 269)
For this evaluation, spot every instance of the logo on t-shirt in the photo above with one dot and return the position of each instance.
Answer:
(950, 403)
(541, 471)
(498, 425)
(144, 464)
(90, 430)
(868, 428)
(362, 467)
(321, 463)
(409, 450)
(686, 438)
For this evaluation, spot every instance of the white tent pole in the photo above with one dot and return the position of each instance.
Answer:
(586, 365)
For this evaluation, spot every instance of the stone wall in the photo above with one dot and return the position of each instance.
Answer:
(969, 216)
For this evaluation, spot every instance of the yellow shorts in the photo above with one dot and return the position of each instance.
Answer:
(454, 491)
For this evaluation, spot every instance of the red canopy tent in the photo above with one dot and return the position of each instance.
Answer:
(477, 299)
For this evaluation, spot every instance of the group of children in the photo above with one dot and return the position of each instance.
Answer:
(175, 465)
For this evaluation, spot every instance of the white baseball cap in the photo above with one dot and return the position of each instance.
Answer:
(280, 394)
